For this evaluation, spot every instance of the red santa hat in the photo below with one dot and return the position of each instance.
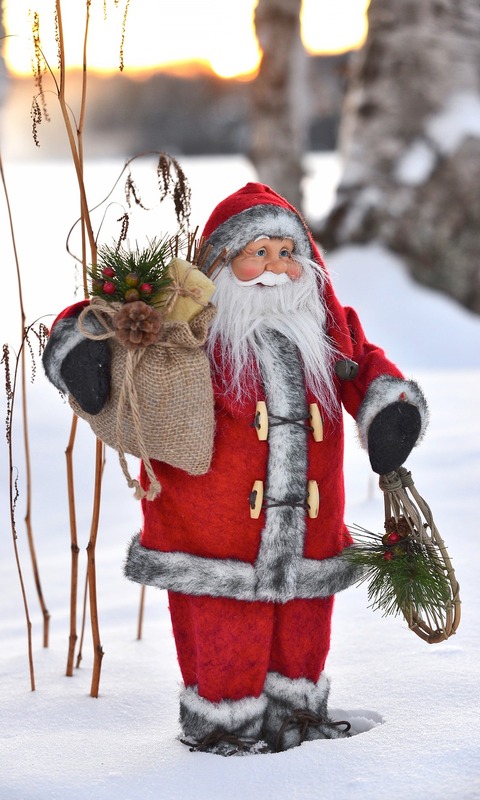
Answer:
(256, 210)
(251, 212)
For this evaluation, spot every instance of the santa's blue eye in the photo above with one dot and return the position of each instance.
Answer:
(285, 253)
(262, 252)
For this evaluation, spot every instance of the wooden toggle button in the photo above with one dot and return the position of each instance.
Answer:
(256, 499)
(316, 422)
(313, 499)
(261, 420)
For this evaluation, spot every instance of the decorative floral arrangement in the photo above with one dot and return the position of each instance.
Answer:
(402, 570)
(143, 288)
(408, 569)
(126, 276)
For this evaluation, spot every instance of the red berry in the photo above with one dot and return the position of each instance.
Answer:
(393, 537)
(146, 288)
(388, 555)
(109, 272)
(108, 287)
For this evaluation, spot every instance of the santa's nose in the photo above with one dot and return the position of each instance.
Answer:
(276, 265)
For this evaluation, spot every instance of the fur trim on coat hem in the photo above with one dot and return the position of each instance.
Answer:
(239, 580)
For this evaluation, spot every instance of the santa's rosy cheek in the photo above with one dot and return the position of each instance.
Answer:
(294, 270)
(246, 271)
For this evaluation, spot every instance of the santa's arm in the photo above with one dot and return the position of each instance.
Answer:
(75, 364)
(391, 411)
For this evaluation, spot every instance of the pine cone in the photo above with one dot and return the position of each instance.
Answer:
(138, 324)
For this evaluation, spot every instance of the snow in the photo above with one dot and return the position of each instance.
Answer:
(416, 704)
(445, 132)
(416, 165)
(458, 120)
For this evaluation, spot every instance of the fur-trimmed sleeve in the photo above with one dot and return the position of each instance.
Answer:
(378, 383)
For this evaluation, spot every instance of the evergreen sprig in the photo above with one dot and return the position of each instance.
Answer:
(403, 576)
(124, 276)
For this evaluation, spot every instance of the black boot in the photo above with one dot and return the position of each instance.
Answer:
(297, 712)
(227, 728)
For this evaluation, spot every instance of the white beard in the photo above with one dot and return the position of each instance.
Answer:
(294, 309)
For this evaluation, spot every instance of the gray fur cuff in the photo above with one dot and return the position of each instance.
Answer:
(383, 391)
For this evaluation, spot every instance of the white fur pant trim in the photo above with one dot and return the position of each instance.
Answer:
(200, 717)
(297, 693)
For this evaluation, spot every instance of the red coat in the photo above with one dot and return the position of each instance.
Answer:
(198, 535)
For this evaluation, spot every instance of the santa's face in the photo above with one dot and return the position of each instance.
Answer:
(239, 333)
(266, 261)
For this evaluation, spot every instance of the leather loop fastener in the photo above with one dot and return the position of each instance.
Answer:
(263, 421)
(259, 501)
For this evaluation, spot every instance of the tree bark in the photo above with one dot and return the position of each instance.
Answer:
(278, 101)
(410, 141)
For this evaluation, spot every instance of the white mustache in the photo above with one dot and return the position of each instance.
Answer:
(266, 278)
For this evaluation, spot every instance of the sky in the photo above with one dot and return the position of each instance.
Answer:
(214, 32)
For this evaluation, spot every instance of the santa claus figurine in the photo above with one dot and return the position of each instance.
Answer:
(251, 553)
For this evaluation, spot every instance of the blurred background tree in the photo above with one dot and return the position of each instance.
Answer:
(410, 142)
(279, 99)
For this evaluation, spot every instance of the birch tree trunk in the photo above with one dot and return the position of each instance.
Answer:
(278, 100)
(410, 140)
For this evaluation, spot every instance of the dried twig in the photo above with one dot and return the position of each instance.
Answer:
(26, 441)
(13, 495)
(72, 640)
(140, 612)
(92, 584)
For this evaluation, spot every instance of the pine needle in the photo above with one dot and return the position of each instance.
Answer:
(402, 576)
(143, 270)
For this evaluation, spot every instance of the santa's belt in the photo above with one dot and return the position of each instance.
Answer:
(259, 500)
(263, 420)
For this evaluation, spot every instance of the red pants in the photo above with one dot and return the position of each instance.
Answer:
(226, 647)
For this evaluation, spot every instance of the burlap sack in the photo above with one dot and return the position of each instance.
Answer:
(166, 412)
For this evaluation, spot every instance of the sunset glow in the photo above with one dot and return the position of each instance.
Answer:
(215, 33)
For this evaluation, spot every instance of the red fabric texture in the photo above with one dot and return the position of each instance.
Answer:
(250, 195)
(226, 647)
(212, 513)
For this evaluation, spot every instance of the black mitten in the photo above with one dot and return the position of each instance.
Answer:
(392, 434)
(86, 373)
(78, 366)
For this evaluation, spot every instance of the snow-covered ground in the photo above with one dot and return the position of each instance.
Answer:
(415, 704)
